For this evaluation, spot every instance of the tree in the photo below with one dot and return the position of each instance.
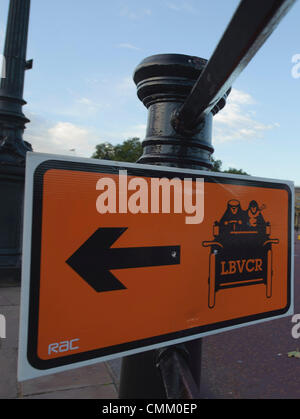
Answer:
(236, 171)
(217, 165)
(104, 151)
(129, 151)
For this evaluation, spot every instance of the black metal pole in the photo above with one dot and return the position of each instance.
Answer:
(163, 84)
(252, 24)
(12, 146)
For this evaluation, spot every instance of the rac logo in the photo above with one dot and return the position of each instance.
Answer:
(64, 346)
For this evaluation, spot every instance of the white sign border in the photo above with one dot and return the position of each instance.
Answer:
(25, 370)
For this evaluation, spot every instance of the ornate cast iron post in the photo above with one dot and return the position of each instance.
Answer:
(12, 146)
(163, 83)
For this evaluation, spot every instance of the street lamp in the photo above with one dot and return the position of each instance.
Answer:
(13, 148)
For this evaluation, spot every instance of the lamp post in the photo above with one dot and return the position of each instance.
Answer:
(164, 82)
(13, 148)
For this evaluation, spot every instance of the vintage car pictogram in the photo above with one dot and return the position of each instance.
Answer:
(241, 252)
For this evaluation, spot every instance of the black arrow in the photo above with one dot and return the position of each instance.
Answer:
(95, 258)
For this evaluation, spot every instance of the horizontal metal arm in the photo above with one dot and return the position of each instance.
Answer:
(253, 22)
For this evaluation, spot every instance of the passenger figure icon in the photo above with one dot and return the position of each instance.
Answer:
(255, 219)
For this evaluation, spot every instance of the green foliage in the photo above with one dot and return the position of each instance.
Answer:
(236, 171)
(129, 151)
(294, 354)
(217, 167)
(104, 151)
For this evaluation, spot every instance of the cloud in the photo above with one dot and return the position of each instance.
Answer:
(128, 46)
(79, 107)
(136, 14)
(239, 97)
(181, 6)
(66, 138)
(88, 105)
(60, 137)
(138, 130)
(125, 86)
(237, 122)
(2, 35)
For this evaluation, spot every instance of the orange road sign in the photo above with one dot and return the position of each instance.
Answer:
(120, 258)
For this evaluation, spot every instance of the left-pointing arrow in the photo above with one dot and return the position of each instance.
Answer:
(95, 258)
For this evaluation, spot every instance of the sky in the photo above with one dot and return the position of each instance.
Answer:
(80, 91)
